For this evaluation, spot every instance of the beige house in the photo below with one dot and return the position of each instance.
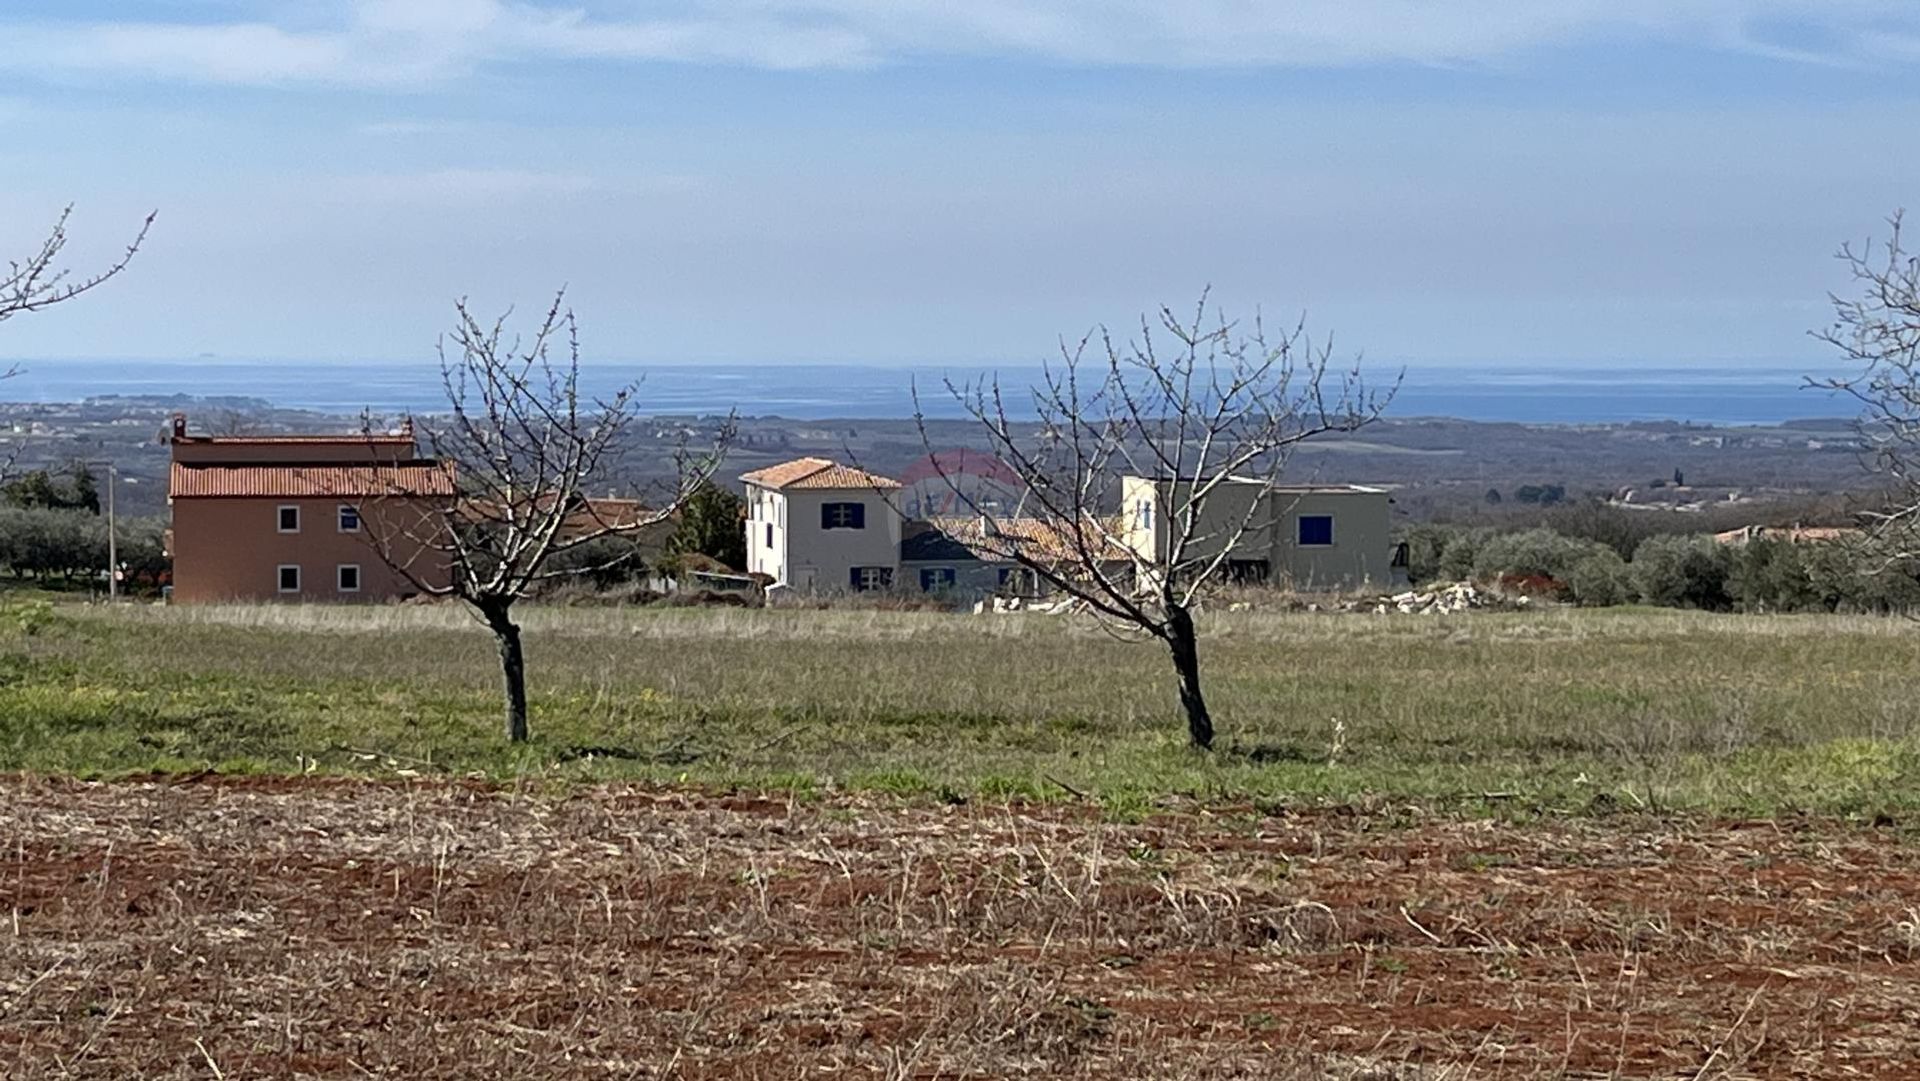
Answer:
(819, 526)
(1307, 537)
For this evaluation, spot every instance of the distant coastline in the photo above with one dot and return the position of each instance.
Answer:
(1582, 394)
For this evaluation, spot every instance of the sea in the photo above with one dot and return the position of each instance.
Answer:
(1761, 393)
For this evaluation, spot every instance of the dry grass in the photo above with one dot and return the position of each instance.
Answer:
(241, 928)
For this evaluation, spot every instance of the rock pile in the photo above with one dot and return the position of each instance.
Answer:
(1000, 605)
(1441, 600)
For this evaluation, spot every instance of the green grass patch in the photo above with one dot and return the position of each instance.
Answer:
(1509, 714)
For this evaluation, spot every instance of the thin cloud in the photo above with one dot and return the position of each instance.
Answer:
(426, 42)
(402, 128)
(460, 186)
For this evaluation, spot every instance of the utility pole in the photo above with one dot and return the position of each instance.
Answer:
(113, 540)
(113, 533)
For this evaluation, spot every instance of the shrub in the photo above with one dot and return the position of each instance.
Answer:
(1600, 580)
(1682, 572)
(1534, 553)
(1461, 551)
(1768, 575)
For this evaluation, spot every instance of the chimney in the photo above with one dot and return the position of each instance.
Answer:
(987, 526)
(179, 427)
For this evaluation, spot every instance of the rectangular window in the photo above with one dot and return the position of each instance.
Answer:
(1019, 581)
(1143, 514)
(1316, 530)
(935, 579)
(843, 516)
(289, 519)
(870, 579)
(349, 519)
(289, 578)
(769, 534)
(347, 577)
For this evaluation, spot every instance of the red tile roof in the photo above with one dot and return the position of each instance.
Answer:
(378, 439)
(1036, 538)
(216, 480)
(817, 473)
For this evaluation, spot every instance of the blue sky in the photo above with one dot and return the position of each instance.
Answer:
(915, 181)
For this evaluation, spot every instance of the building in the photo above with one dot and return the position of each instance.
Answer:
(1313, 538)
(1791, 534)
(298, 517)
(974, 555)
(816, 525)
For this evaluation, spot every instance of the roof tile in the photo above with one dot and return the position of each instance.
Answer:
(816, 473)
(215, 480)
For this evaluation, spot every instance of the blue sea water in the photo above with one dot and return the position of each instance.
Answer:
(1541, 394)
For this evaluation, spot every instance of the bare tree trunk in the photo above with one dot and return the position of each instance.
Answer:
(513, 671)
(1186, 663)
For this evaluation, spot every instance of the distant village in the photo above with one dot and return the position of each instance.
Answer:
(1432, 464)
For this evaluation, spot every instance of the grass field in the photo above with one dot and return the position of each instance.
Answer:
(1514, 713)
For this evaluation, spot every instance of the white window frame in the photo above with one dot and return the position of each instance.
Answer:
(339, 518)
(875, 580)
(342, 568)
(280, 518)
(280, 577)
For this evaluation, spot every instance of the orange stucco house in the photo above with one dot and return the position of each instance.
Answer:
(302, 517)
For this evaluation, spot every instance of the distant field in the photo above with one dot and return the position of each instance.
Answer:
(1552, 711)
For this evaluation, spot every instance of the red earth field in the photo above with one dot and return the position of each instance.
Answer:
(207, 927)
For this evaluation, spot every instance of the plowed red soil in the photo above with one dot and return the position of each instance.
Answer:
(222, 928)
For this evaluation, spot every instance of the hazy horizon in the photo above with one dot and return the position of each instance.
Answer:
(1584, 394)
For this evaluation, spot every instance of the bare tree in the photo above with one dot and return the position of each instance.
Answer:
(1878, 330)
(1206, 411)
(527, 446)
(39, 281)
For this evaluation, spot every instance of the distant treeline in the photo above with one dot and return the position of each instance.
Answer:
(1598, 556)
(51, 529)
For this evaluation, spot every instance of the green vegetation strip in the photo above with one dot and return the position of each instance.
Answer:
(1552, 711)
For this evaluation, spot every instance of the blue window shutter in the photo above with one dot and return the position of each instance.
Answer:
(859, 515)
(853, 577)
(826, 516)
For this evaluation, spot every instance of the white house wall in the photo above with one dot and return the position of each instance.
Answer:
(806, 556)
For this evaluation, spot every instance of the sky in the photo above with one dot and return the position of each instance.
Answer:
(925, 181)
